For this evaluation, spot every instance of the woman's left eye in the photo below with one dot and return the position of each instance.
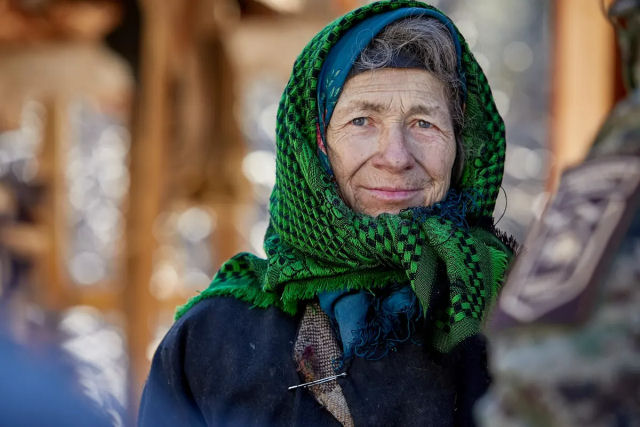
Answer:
(424, 124)
(359, 121)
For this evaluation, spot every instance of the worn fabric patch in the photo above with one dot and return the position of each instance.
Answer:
(316, 352)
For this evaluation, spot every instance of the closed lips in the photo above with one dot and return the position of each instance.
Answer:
(393, 193)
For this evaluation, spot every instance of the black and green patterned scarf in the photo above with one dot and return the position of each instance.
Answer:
(315, 243)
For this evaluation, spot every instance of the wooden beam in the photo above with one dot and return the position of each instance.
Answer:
(583, 80)
(147, 178)
(54, 283)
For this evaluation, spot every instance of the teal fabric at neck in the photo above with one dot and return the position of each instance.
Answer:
(341, 57)
(370, 325)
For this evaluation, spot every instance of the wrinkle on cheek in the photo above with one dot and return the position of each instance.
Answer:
(345, 161)
(336, 136)
(437, 162)
(337, 129)
(448, 133)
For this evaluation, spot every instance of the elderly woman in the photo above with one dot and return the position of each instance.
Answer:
(382, 258)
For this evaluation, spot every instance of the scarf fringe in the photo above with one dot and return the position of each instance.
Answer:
(244, 292)
(295, 292)
(385, 331)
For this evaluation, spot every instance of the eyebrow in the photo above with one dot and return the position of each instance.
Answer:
(364, 106)
(423, 109)
(372, 106)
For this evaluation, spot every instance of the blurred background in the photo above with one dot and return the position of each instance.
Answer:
(137, 150)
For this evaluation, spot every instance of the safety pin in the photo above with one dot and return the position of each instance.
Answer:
(320, 381)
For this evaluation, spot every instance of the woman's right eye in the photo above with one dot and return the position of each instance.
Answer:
(359, 121)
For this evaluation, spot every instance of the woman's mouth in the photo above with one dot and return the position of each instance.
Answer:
(391, 194)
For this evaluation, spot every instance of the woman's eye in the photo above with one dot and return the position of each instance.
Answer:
(359, 121)
(424, 124)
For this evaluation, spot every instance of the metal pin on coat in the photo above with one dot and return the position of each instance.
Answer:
(320, 381)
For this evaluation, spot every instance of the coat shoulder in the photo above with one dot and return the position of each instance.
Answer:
(219, 352)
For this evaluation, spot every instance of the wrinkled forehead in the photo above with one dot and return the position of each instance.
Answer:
(392, 90)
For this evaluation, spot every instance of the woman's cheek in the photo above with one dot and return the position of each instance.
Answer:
(363, 140)
(437, 158)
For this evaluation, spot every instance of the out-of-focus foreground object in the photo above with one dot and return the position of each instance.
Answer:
(35, 391)
(566, 329)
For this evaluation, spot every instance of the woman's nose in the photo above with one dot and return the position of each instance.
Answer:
(393, 152)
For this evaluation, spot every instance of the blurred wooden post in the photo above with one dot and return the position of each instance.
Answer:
(583, 80)
(147, 162)
(55, 290)
(226, 188)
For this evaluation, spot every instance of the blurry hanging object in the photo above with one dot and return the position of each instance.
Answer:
(28, 21)
(51, 58)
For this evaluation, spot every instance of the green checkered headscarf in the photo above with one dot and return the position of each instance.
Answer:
(315, 243)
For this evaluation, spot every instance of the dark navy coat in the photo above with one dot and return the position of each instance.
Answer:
(224, 363)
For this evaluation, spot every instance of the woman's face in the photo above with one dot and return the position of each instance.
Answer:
(391, 142)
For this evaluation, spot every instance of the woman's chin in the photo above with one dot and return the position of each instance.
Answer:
(373, 206)
(389, 208)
